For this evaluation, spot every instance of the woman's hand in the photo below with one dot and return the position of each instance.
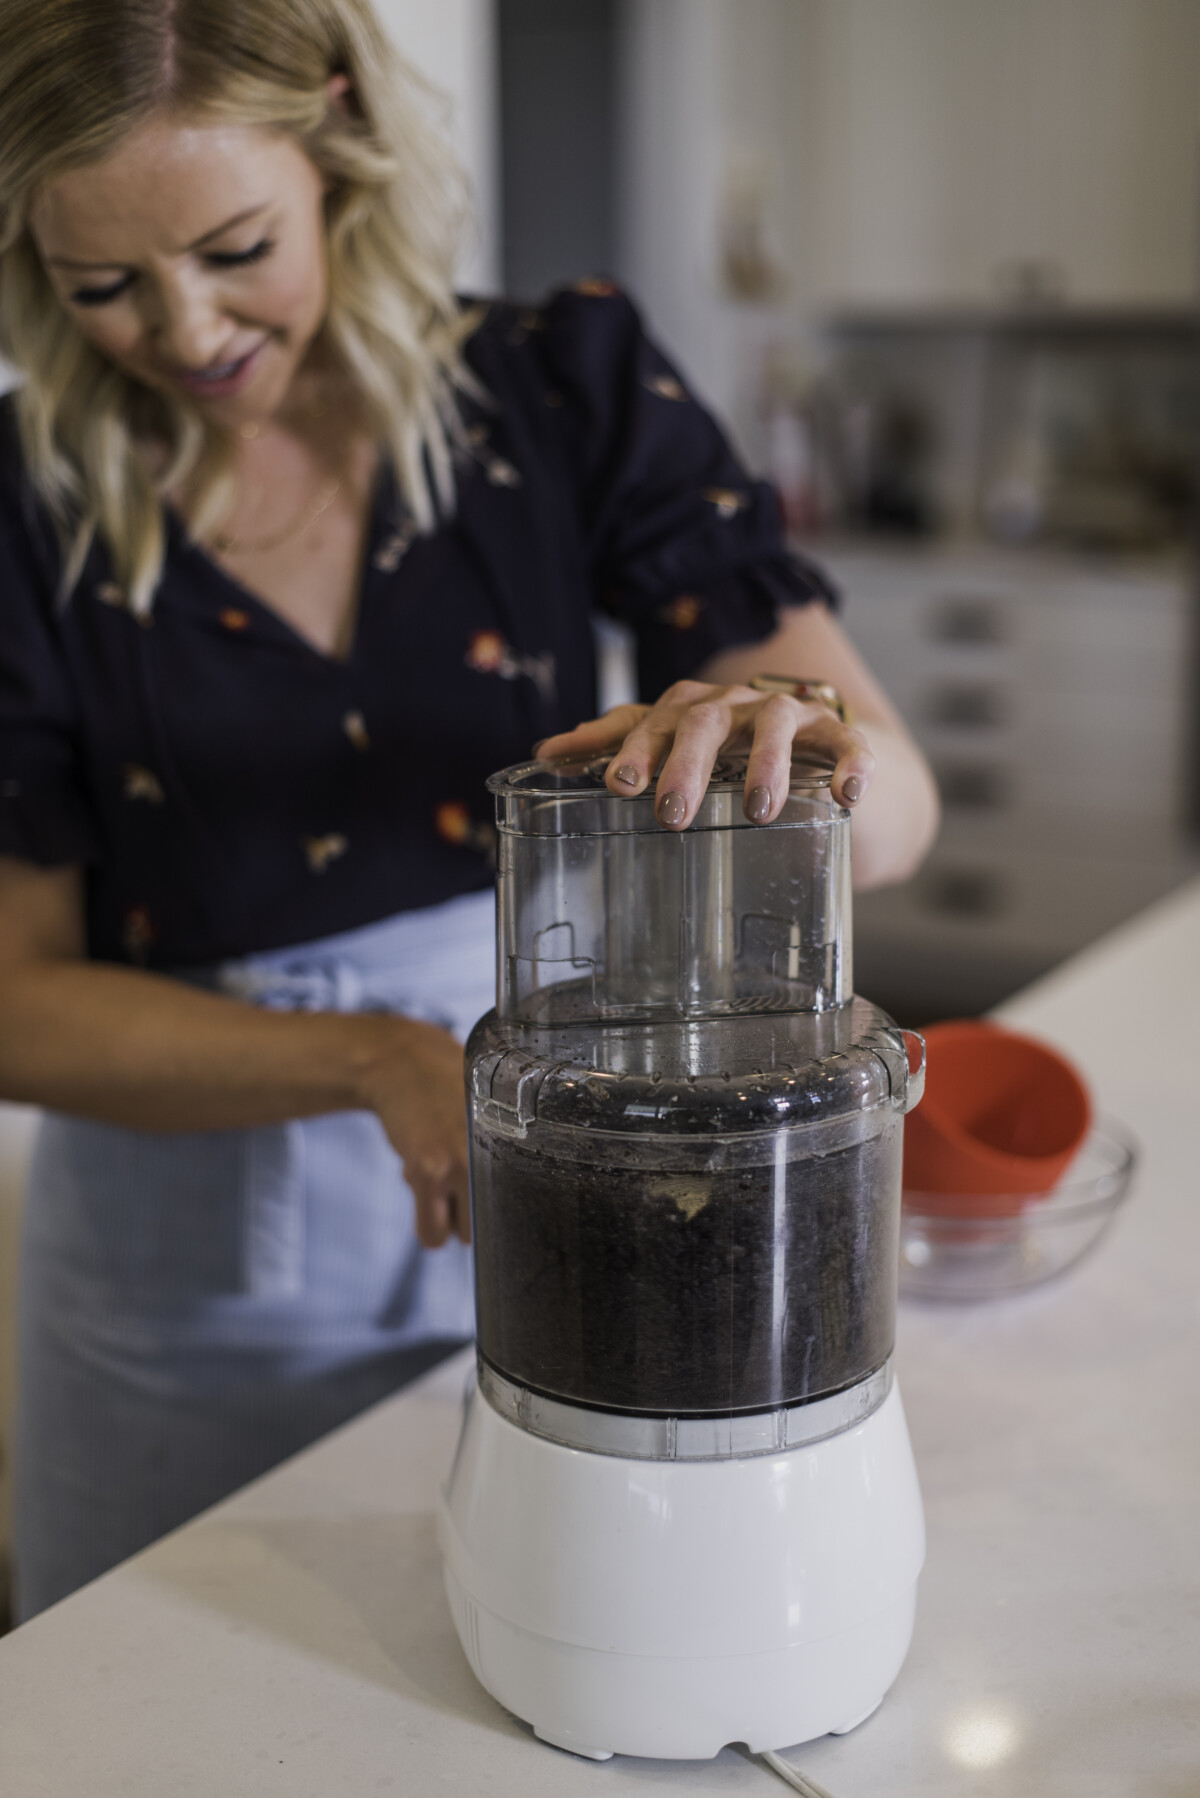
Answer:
(414, 1084)
(683, 734)
(146, 1052)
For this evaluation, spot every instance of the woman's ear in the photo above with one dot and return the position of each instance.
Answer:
(340, 97)
(336, 90)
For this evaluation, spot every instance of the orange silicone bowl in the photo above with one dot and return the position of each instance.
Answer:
(1001, 1119)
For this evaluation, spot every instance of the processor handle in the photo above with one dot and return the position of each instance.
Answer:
(914, 1043)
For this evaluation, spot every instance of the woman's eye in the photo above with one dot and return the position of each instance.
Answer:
(100, 296)
(240, 258)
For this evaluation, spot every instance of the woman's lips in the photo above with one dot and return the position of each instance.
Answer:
(220, 379)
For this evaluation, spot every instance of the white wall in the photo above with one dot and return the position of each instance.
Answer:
(667, 176)
(453, 44)
(712, 90)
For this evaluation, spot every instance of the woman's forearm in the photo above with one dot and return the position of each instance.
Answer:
(124, 1047)
(897, 818)
(895, 822)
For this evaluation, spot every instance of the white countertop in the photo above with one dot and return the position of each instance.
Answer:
(295, 1640)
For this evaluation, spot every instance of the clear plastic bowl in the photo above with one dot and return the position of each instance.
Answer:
(983, 1257)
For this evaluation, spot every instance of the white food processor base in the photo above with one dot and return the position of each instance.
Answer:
(665, 1608)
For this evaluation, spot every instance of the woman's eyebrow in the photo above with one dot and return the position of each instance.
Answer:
(239, 218)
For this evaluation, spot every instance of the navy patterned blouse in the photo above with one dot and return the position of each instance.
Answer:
(230, 788)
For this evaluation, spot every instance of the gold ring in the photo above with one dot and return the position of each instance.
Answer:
(815, 692)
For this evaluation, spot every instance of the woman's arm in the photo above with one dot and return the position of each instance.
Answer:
(878, 770)
(150, 1053)
(897, 814)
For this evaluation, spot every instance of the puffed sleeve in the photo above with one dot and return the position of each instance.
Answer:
(687, 548)
(45, 816)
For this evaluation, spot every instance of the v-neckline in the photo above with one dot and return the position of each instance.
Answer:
(381, 490)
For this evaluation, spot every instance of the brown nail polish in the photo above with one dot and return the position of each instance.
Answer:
(672, 808)
(851, 790)
(628, 775)
(757, 804)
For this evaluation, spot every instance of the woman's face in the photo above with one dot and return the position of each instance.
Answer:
(194, 258)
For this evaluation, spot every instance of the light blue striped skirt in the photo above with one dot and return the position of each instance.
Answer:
(194, 1308)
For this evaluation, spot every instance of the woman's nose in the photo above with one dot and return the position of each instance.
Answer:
(189, 325)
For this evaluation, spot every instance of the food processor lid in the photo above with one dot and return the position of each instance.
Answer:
(604, 913)
(748, 1074)
(569, 798)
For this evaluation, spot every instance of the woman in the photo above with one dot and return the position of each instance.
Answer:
(294, 549)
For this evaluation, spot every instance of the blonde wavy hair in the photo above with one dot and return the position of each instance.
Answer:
(76, 76)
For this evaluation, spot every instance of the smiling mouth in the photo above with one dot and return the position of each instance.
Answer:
(221, 372)
(217, 375)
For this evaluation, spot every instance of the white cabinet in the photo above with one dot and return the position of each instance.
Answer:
(963, 151)
(1051, 699)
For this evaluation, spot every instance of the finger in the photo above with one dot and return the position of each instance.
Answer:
(769, 768)
(639, 757)
(428, 1177)
(853, 775)
(847, 750)
(433, 1218)
(699, 735)
(783, 724)
(634, 762)
(593, 736)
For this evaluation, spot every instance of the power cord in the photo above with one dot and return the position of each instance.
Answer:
(791, 1776)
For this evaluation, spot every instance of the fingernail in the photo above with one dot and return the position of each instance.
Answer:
(628, 775)
(852, 790)
(757, 804)
(537, 748)
(672, 808)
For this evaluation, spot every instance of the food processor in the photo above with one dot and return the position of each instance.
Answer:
(683, 1510)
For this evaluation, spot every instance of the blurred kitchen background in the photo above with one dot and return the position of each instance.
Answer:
(937, 263)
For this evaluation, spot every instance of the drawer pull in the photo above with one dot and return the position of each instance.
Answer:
(966, 706)
(973, 786)
(965, 892)
(966, 620)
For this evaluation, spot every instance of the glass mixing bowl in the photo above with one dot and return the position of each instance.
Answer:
(1028, 1240)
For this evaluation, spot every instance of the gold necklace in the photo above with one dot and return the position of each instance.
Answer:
(227, 545)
